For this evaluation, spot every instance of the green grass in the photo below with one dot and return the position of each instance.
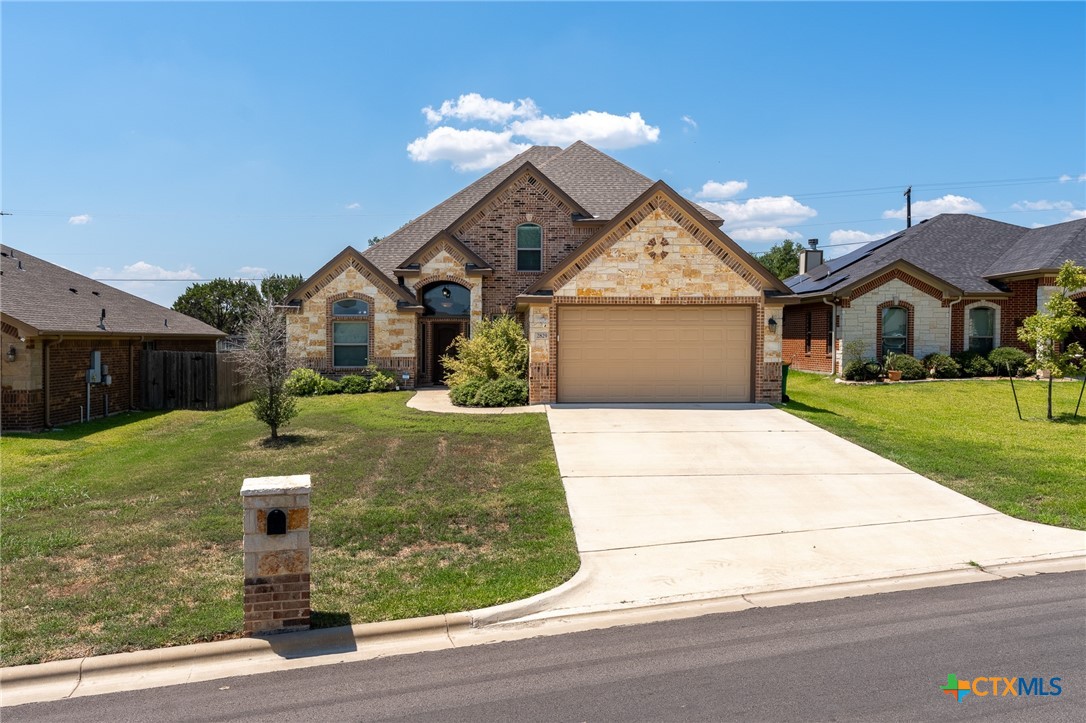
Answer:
(126, 534)
(966, 435)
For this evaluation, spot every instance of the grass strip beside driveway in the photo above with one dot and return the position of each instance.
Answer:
(125, 533)
(966, 435)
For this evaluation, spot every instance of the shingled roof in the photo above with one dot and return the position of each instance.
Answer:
(600, 184)
(1043, 249)
(955, 248)
(53, 300)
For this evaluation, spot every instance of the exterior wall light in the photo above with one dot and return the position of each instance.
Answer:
(772, 325)
(11, 353)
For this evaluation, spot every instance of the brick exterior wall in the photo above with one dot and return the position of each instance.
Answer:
(67, 363)
(491, 233)
(819, 318)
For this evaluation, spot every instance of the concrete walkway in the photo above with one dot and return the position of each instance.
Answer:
(686, 502)
(436, 399)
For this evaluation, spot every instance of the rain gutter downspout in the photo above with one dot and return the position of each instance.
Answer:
(950, 330)
(833, 335)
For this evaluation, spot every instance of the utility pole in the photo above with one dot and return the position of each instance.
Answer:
(909, 207)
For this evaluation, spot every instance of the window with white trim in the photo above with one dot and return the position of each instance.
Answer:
(981, 334)
(529, 247)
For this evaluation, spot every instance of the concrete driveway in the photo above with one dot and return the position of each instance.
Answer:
(686, 502)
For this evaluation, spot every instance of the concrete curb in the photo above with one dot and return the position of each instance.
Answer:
(247, 656)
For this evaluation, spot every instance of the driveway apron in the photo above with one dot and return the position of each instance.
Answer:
(687, 502)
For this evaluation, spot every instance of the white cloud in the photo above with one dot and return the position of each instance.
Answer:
(353, 206)
(472, 106)
(1043, 206)
(947, 204)
(467, 150)
(1081, 178)
(762, 234)
(144, 270)
(604, 130)
(81, 220)
(690, 121)
(845, 240)
(716, 190)
(1075, 214)
(761, 211)
(252, 272)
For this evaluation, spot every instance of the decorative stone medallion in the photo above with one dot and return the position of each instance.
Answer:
(655, 249)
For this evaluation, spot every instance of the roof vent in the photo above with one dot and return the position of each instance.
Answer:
(97, 293)
(73, 289)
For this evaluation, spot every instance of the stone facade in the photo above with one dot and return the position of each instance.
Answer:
(929, 319)
(446, 265)
(392, 332)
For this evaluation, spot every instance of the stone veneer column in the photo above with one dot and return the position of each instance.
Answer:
(276, 554)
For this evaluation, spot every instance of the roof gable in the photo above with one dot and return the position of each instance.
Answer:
(1043, 249)
(455, 247)
(526, 173)
(661, 197)
(50, 299)
(349, 258)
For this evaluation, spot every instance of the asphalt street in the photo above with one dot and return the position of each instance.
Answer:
(874, 658)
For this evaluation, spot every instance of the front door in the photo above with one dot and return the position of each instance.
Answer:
(444, 335)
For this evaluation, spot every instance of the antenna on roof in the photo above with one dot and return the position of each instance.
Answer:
(909, 207)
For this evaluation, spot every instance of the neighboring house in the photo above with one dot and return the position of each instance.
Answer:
(948, 284)
(54, 319)
(628, 291)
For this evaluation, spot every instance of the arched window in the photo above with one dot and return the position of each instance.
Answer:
(529, 247)
(446, 299)
(895, 329)
(350, 307)
(981, 329)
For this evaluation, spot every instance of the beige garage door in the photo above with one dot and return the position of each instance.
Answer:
(654, 353)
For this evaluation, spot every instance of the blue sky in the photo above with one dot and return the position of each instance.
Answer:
(171, 142)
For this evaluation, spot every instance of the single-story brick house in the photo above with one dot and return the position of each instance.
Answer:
(628, 291)
(951, 283)
(52, 320)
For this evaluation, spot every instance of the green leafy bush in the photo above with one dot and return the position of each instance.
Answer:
(464, 394)
(382, 381)
(861, 371)
(1007, 356)
(330, 386)
(909, 366)
(940, 366)
(974, 364)
(304, 382)
(504, 392)
(354, 384)
(497, 349)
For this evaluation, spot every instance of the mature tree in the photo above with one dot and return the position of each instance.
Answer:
(266, 364)
(1046, 330)
(782, 259)
(275, 288)
(374, 241)
(223, 303)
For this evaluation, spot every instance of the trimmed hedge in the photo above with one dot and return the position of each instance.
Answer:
(1004, 356)
(974, 364)
(502, 392)
(940, 366)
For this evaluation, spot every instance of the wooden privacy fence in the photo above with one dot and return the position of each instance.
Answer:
(191, 380)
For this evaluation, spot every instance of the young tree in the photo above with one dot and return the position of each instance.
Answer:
(782, 259)
(223, 303)
(266, 364)
(374, 241)
(1046, 330)
(275, 288)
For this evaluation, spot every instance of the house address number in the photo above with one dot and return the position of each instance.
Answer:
(542, 335)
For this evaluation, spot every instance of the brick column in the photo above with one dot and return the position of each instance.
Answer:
(276, 546)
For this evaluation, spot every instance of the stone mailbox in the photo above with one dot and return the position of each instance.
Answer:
(276, 545)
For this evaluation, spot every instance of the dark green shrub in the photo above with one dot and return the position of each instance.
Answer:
(504, 392)
(382, 382)
(463, 394)
(354, 384)
(940, 366)
(330, 386)
(909, 366)
(861, 371)
(974, 364)
(1004, 356)
(304, 382)
(497, 348)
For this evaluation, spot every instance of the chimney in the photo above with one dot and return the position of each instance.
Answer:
(810, 258)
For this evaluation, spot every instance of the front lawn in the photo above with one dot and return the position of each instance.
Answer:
(126, 534)
(966, 435)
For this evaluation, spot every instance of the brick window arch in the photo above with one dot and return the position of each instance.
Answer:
(530, 247)
(881, 314)
(981, 330)
(349, 336)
